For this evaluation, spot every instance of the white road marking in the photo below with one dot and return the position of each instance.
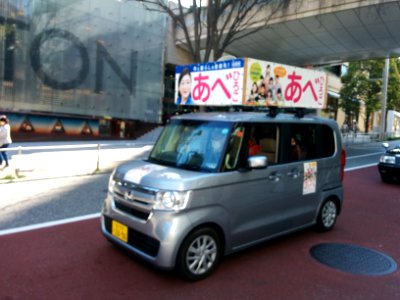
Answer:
(49, 224)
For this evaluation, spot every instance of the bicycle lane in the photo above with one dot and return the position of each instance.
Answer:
(74, 261)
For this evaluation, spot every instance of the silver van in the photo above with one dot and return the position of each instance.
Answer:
(216, 183)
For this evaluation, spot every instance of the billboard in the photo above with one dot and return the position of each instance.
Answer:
(215, 83)
(250, 82)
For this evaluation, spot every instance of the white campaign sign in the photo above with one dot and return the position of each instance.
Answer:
(250, 82)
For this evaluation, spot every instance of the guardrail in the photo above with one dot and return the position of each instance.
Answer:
(359, 138)
(65, 160)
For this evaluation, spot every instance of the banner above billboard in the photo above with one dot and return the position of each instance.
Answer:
(250, 82)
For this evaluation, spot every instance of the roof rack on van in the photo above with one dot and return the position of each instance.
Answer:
(299, 112)
(273, 111)
(184, 110)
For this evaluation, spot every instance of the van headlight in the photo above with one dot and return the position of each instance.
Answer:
(388, 159)
(171, 200)
(114, 179)
(111, 182)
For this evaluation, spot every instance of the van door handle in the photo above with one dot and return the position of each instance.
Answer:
(275, 176)
(294, 173)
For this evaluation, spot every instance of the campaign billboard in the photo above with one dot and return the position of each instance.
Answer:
(214, 83)
(250, 82)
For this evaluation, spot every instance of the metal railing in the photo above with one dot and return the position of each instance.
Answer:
(37, 161)
(359, 138)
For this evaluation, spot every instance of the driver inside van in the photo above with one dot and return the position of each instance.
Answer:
(217, 144)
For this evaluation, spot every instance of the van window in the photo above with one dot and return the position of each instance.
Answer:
(234, 148)
(309, 141)
(303, 142)
(263, 139)
(327, 141)
(192, 145)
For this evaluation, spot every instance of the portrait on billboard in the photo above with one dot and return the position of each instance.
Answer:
(212, 84)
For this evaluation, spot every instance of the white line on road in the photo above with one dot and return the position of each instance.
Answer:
(364, 155)
(48, 224)
(360, 167)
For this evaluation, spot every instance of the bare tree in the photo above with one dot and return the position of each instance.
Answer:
(216, 24)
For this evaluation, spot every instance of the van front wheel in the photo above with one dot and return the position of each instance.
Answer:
(199, 254)
(327, 216)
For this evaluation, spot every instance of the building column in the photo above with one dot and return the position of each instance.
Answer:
(385, 76)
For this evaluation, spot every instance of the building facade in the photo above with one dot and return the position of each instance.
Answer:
(83, 68)
(93, 69)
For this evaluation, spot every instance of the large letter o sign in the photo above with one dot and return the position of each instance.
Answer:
(37, 64)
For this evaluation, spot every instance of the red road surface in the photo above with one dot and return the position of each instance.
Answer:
(74, 261)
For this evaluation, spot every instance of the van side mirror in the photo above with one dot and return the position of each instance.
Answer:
(385, 145)
(257, 162)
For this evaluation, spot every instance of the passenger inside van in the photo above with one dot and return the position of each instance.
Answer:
(297, 151)
(254, 147)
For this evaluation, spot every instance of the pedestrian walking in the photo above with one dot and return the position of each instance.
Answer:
(5, 138)
(345, 129)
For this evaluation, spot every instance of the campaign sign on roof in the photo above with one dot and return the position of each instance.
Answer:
(273, 84)
(214, 83)
(247, 81)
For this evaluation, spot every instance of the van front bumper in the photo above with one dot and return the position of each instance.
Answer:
(155, 240)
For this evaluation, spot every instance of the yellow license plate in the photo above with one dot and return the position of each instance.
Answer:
(119, 230)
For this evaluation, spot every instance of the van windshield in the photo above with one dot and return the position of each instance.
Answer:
(192, 145)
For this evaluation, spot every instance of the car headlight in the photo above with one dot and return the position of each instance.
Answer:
(387, 159)
(171, 200)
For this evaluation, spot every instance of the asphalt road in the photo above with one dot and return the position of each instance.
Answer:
(362, 155)
(74, 261)
(38, 201)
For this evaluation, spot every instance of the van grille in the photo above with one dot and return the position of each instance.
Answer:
(131, 211)
(134, 200)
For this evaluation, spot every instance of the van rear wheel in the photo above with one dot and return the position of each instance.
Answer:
(327, 216)
(199, 254)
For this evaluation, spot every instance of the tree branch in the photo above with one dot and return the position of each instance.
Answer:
(224, 21)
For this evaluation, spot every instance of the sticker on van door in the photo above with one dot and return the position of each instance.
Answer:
(310, 177)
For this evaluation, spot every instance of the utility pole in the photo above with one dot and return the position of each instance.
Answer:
(385, 76)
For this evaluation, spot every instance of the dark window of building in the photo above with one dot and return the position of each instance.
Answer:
(9, 53)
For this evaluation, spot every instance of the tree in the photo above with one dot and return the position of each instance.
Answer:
(216, 24)
(354, 90)
(374, 92)
(393, 92)
(363, 82)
